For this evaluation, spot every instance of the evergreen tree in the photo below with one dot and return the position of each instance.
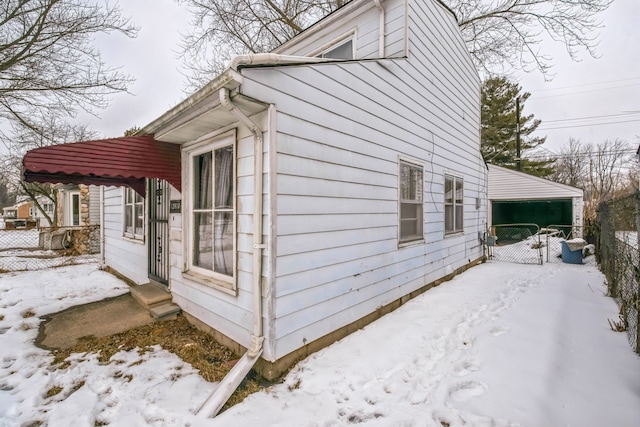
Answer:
(498, 128)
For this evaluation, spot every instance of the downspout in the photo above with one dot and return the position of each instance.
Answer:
(230, 383)
(381, 29)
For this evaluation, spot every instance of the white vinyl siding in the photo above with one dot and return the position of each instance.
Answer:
(364, 18)
(340, 130)
(128, 257)
(94, 205)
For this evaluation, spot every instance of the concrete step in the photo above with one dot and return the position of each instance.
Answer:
(150, 295)
(165, 311)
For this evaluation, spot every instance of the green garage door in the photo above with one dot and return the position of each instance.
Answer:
(540, 212)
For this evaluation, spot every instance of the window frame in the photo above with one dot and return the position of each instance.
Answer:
(418, 237)
(349, 36)
(456, 204)
(225, 283)
(126, 204)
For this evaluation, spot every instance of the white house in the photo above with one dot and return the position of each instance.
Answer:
(516, 197)
(360, 138)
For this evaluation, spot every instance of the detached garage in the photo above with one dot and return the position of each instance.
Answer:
(517, 198)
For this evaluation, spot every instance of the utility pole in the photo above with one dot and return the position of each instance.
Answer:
(518, 160)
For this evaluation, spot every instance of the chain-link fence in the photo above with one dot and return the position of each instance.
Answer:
(617, 252)
(519, 243)
(35, 249)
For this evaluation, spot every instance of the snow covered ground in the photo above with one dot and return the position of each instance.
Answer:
(499, 345)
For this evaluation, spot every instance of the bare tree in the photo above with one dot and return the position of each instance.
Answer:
(48, 130)
(507, 34)
(50, 69)
(608, 163)
(500, 34)
(572, 164)
(223, 29)
(603, 171)
(48, 63)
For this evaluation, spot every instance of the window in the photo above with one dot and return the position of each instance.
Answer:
(453, 204)
(212, 212)
(411, 205)
(133, 214)
(343, 50)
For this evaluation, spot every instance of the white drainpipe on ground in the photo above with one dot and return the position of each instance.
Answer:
(230, 383)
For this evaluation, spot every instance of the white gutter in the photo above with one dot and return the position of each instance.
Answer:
(274, 59)
(381, 29)
(232, 380)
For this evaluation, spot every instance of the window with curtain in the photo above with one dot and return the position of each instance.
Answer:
(411, 201)
(133, 214)
(453, 204)
(213, 211)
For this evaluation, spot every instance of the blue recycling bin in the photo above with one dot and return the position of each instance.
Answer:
(571, 256)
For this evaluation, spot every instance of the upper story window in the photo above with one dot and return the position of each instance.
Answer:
(341, 50)
(453, 204)
(411, 201)
(211, 245)
(133, 217)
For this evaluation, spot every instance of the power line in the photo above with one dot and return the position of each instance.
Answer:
(624, 114)
(585, 84)
(586, 125)
(584, 91)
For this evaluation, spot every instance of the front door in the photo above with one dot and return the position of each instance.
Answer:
(158, 197)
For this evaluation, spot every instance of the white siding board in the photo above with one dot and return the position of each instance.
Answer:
(312, 186)
(305, 205)
(365, 18)
(127, 257)
(505, 184)
(291, 166)
(300, 243)
(301, 224)
(94, 205)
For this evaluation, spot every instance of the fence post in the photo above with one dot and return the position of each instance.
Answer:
(637, 269)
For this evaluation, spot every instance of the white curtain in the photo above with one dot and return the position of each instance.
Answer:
(223, 222)
(203, 195)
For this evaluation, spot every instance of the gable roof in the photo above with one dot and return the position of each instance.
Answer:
(507, 184)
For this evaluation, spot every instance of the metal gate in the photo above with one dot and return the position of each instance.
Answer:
(158, 197)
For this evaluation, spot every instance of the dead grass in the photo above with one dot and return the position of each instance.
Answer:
(1, 317)
(28, 313)
(211, 359)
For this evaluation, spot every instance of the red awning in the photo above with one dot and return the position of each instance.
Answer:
(125, 161)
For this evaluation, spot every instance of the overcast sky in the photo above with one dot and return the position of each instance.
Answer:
(603, 93)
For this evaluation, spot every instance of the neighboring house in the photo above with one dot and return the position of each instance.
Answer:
(19, 215)
(40, 218)
(360, 138)
(518, 198)
(78, 205)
